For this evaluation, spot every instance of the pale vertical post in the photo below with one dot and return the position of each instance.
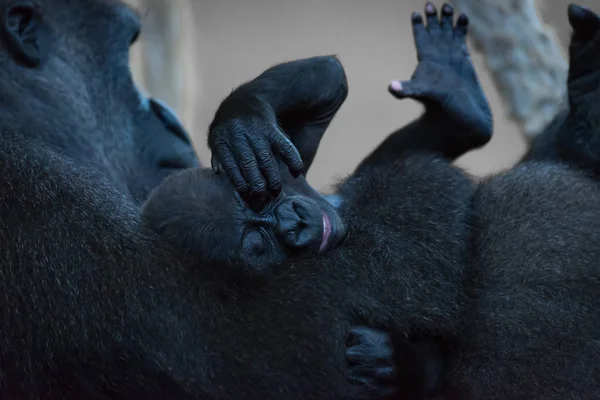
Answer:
(524, 56)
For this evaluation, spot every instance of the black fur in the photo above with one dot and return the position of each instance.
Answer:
(198, 213)
(93, 304)
(493, 287)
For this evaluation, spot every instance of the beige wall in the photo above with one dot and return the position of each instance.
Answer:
(231, 41)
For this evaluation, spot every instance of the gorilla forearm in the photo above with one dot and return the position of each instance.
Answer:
(457, 116)
(302, 95)
(433, 133)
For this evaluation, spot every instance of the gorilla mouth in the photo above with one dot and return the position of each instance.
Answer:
(326, 230)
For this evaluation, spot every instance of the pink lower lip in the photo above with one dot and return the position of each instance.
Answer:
(326, 230)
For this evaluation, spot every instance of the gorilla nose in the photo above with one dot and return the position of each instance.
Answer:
(294, 227)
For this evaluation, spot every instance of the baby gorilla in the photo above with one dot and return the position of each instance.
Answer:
(257, 230)
(200, 214)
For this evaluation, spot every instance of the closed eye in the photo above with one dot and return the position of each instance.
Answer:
(255, 243)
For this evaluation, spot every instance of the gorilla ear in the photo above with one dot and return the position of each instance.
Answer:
(26, 33)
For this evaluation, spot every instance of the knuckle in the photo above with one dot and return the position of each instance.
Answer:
(280, 138)
(247, 162)
(242, 188)
(276, 185)
(218, 141)
(259, 187)
(239, 183)
(297, 163)
(264, 156)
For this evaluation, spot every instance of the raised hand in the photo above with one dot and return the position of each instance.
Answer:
(274, 123)
(371, 364)
(445, 77)
(244, 148)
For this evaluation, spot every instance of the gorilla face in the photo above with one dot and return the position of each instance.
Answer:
(213, 222)
(70, 86)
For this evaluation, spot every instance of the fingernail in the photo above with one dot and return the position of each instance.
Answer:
(396, 86)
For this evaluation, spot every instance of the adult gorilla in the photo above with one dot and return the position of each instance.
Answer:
(92, 304)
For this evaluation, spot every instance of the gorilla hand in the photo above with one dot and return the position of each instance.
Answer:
(370, 358)
(386, 365)
(276, 120)
(243, 148)
(445, 76)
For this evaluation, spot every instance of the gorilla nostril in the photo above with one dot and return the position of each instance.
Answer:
(300, 210)
(295, 207)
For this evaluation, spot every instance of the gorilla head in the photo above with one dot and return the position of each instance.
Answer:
(65, 81)
(212, 220)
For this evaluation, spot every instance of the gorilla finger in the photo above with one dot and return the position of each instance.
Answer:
(269, 168)
(215, 164)
(462, 24)
(289, 153)
(433, 24)
(359, 378)
(385, 373)
(355, 353)
(359, 332)
(403, 89)
(368, 335)
(249, 165)
(233, 172)
(447, 20)
(419, 33)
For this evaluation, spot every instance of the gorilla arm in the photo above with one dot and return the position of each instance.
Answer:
(295, 100)
(572, 136)
(457, 116)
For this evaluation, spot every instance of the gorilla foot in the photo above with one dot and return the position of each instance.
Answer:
(584, 65)
(445, 76)
(370, 358)
(579, 136)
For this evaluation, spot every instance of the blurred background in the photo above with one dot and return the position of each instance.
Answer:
(192, 53)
